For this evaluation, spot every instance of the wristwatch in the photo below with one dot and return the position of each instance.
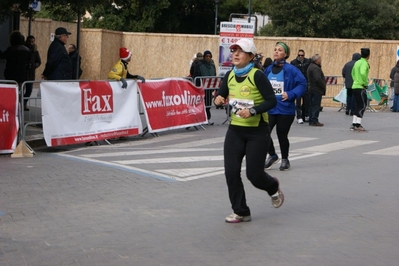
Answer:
(252, 111)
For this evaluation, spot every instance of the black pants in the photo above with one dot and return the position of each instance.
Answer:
(251, 142)
(302, 106)
(361, 101)
(283, 125)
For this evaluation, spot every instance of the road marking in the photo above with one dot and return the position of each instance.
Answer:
(335, 146)
(145, 152)
(192, 173)
(392, 151)
(172, 160)
(197, 143)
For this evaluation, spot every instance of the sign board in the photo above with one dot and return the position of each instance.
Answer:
(230, 33)
(35, 5)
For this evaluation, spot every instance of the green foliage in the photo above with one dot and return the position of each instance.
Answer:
(307, 18)
(334, 19)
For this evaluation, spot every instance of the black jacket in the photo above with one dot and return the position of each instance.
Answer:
(17, 62)
(74, 60)
(59, 65)
(302, 66)
(316, 79)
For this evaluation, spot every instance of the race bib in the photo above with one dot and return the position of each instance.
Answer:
(239, 104)
(278, 86)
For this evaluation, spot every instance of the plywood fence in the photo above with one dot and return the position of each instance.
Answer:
(169, 55)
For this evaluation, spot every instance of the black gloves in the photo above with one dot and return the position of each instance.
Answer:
(124, 83)
(141, 78)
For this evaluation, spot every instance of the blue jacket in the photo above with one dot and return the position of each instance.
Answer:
(295, 86)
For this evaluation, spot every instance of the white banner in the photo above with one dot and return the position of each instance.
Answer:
(76, 112)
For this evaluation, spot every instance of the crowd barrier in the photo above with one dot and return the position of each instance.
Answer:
(207, 83)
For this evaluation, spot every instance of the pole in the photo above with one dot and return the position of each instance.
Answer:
(249, 11)
(78, 46)
(216, 16)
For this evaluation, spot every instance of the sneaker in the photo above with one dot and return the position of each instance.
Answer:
(270, 161)
(235, 218)
(300, 121)
(277, 200)
(352, 128)
(210, 123)
(306, 119)
(285, 165)
(360, 129)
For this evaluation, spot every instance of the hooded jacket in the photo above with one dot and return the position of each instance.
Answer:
(347, 70)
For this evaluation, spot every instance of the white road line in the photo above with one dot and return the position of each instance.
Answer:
(392, 151)
(187, 172)
(335, 146)
(172, 160)
(197, 143)
(146, 152)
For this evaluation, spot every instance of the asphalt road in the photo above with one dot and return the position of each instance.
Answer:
(162, 201)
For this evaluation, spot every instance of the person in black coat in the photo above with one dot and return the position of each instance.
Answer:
(35, 62)
(17, 58)
(347, 75)
(74, 56)
(302, 104)
(59, 65)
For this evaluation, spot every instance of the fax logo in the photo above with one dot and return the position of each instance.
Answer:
(96, 98)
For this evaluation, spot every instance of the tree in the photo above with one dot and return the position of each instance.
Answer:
(334, 18)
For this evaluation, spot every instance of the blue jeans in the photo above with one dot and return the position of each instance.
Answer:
(314, 110)
(395, 106)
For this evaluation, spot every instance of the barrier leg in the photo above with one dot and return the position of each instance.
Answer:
(22, 150)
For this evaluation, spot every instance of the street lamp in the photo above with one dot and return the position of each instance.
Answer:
(216, 15)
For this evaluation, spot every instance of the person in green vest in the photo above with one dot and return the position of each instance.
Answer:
(251, 95)
(360, 76)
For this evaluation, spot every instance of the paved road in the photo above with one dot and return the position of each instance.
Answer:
(162, 201)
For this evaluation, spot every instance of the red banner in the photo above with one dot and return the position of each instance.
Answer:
(172, 103)
(9, 124)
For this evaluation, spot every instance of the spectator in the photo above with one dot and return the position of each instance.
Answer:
(268, 62)
(317, 88)
(248, 134)
(35, 62)
(395, 106)
(197, 59)
(206, 67)
(119, 70)
(347, 75)
(75, 59)
(302, 104)
(289, 84)
(360, 76)
(17, 58)
(392, 77)
(58, 65)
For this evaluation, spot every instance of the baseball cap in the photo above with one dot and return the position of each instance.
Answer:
(247, 45)
(60, 31)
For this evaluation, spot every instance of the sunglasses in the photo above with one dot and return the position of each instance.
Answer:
(301, 55)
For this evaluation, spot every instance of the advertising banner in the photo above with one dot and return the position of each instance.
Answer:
(172, 103)
(78, 112)
(230, 33)
(9, 122)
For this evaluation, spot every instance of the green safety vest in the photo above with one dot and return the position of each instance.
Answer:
(245, 95)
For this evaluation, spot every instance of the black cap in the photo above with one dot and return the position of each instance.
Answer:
(60, 31)
(365, 52)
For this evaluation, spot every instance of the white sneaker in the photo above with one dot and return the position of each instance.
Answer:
(300, 121)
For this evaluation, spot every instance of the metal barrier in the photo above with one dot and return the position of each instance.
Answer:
(212, 84)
